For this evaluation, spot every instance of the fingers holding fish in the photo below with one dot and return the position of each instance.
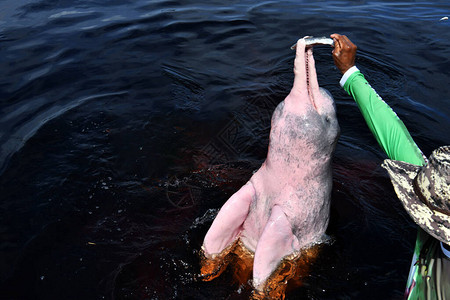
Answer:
(344, 52)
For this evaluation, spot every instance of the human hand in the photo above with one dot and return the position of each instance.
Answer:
(344, 52)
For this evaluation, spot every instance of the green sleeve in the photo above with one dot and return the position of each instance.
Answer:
(389, 131)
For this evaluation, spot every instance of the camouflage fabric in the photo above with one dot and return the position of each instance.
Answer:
(425, 191)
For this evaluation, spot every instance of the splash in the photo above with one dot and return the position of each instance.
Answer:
(289, 275)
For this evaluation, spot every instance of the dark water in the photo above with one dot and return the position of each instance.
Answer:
(125, 125)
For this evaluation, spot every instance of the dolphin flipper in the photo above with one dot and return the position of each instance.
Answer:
(276, 242)
(228, 224)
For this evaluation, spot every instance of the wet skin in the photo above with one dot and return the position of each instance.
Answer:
(285, 206)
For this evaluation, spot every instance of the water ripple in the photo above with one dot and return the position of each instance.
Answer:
(103, 101)
(15, 134)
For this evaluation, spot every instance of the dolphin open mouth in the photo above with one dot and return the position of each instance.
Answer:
(312, 85)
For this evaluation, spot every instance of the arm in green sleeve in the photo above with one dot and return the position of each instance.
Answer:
(388, 129)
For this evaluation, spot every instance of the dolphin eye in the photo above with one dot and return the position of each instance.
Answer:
(327, 119)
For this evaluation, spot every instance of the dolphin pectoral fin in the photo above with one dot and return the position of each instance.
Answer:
(228, 224)
(277, 241)
(221, 238)
(291, 272)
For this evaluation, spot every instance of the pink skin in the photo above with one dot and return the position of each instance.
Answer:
(285, 205)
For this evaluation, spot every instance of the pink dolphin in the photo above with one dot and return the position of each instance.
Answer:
(284, 207)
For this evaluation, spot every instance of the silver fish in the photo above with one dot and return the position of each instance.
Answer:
(312, 41)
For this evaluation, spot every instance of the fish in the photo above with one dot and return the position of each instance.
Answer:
(313, 41)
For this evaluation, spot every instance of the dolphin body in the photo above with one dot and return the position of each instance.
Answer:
(284, 208)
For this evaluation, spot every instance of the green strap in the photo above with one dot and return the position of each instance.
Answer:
(388, 129)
